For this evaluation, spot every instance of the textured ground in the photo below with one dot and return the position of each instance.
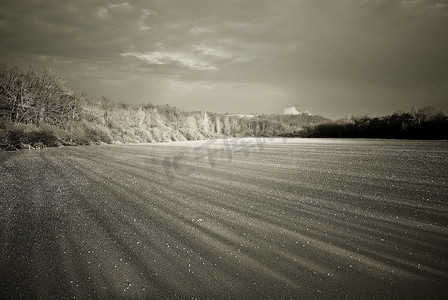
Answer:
(226, 219)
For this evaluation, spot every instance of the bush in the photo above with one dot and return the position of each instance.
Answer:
(85, 133)
(98, 134)
(143, 135)
(43, 135)
(19, 134)
(3, 135)
(16, 135)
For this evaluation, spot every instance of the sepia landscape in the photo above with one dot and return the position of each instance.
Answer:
(223, 150)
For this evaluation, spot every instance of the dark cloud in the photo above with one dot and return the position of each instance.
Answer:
(330, 57)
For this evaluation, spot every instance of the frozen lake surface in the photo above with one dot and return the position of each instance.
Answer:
(240, 218)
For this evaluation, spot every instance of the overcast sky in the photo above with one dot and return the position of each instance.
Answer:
(334, 57)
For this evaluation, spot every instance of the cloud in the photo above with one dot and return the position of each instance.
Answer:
(424, 5)
(105, 12)
(441, 5)
(173, 58)
(328, 56)
(142, 26)
(214, 52)
(413, 2)
(291, 111)
(201, 30)
(144, 15)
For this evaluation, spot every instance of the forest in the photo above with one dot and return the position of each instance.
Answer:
(424, 124)
(38, 110)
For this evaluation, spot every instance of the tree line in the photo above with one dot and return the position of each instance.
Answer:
(424, 123)
(37, 107)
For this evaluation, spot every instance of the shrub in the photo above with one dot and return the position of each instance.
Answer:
(143, 135)
(16, 135)
(3, 135)
(43, 135)
(86, 133)
(97, 134)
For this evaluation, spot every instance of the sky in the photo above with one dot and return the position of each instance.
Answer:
(334, 57)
